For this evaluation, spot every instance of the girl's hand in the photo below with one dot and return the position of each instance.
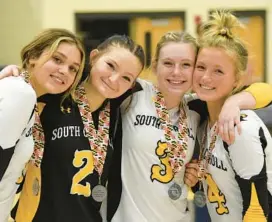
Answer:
(229, 118)
(10, 70)
(191, 173)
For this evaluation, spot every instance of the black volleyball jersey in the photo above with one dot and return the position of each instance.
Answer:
(65, 137)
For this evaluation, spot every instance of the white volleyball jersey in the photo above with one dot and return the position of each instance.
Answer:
(146, 172)
(17, 101)
(239, 179)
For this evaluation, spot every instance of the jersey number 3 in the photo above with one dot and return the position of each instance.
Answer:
(216, 196)
(163, 172)
(82, 158)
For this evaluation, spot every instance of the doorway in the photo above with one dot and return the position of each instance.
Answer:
(254, 35)
(144, 28)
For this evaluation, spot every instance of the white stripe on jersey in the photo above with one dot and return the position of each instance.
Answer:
(241, 161)
(145, 175)
(17, 101)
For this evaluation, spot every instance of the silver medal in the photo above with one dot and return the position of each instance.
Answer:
(99, 193)
(35, 187)
(200, 198)
(174, 191)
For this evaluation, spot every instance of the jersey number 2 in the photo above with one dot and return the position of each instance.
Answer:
(216, 196)
(83, 157)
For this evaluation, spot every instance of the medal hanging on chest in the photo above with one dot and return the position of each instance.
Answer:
(177, 145)
(98, 139)
(37, 132)
(204, 158)
(38, 137)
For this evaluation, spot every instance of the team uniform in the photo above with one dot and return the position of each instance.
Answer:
(239, 180)
(67, 170)
(17, 102)
(146, 173)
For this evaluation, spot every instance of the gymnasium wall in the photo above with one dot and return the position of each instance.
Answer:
(22, 19)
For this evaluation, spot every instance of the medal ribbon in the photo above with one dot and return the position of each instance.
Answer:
(204, 159)
(98, 139)
(37, 132)
(177, 146)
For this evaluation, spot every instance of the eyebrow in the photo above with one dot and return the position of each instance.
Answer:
(128, 73)
(167, 58)
(112, 60)
(63, 55)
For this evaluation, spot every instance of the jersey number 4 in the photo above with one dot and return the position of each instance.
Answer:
(82, 158)
(216, 196)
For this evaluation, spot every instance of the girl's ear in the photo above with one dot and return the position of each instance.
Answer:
(31, 63)
(154, 66)
(93, 54)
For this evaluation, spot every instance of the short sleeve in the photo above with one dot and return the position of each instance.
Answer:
(17, 101)
(247, 152)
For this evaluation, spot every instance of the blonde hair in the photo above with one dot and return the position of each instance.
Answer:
(219, 32)
(50, 39)
(176, 37)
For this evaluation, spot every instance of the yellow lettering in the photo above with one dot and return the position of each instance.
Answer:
(216, 196)
(80, 158)
(162, 173)
(21, 178)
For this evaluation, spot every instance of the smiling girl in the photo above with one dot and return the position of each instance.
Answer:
(239, 191)
(52, 63)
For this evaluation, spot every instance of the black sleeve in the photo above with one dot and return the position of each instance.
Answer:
(114, 177)
(137, 87)
(5, 157)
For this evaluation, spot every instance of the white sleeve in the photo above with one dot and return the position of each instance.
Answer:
(247, 154)
(17, 101)
(131, 100)
(188, 97)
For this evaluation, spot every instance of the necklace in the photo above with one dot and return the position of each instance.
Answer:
(199, 196)
(177, 146)
(98, 139)
(37, 132)
(205, 158)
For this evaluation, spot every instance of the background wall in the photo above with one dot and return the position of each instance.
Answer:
(21, 20)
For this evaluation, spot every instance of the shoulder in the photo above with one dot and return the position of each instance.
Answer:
(196, 105)
(16, 85)
(248, 146)
(249, 141)
(17, 89)
(137, 87)
(250, 125)
(148, 89)
(145, 84)
(189, 97)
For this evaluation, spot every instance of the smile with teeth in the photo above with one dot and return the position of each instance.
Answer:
(176, 82)
(59, 80)
(206, 87)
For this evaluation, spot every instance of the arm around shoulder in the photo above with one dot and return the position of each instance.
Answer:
(262, 93)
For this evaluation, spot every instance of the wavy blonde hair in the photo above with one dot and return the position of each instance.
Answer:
(50, 39)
